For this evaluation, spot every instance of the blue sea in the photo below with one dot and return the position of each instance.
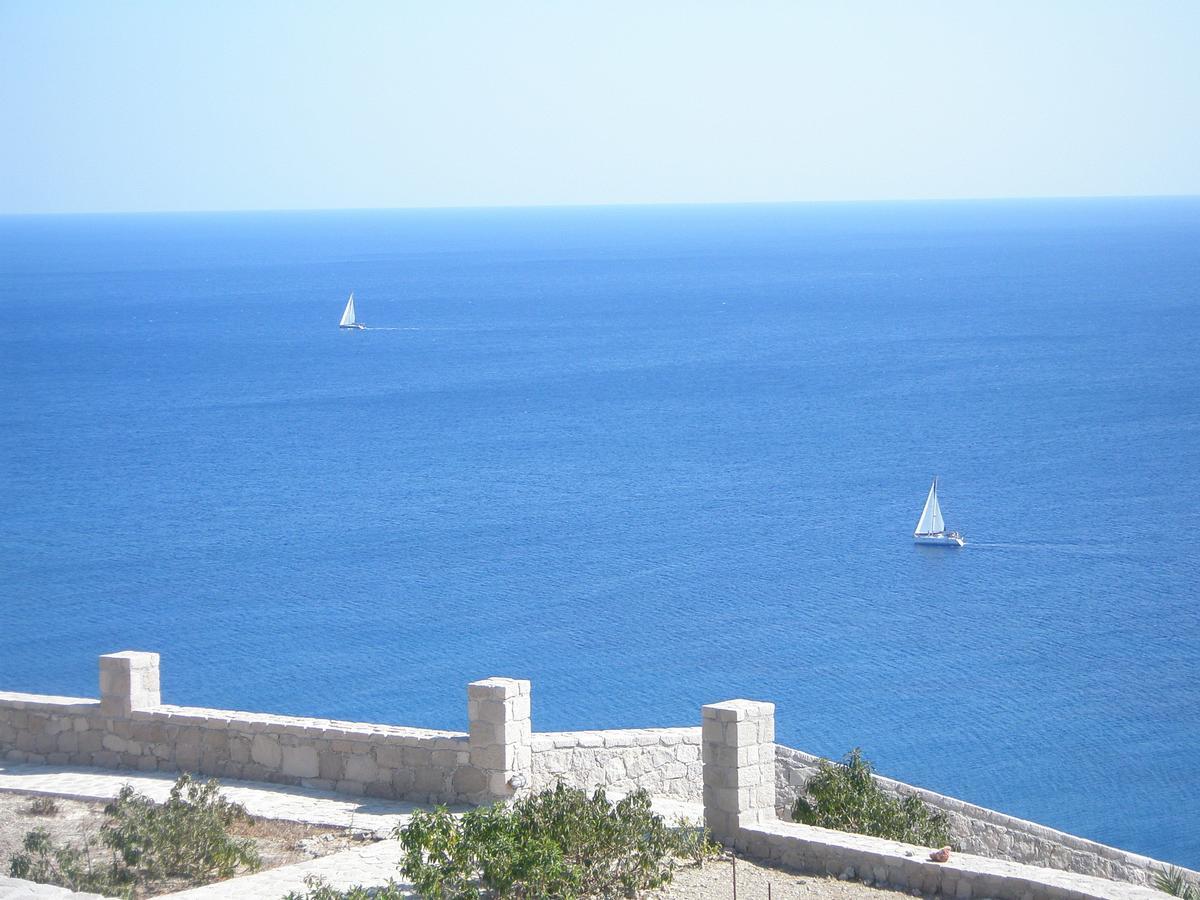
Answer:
(649, 458)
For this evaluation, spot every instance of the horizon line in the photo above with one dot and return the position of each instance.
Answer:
(598, 205)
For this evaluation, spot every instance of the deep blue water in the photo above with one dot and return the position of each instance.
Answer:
(647, 457)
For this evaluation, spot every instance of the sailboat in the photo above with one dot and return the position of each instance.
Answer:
(348, 316)
(931, 529)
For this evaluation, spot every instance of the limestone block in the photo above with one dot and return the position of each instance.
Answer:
(614, 770)
(361, 768)
(265, 751)
(129, 680)
(389, 757)
(496, 689)
(469, 780)
(417, 757)
(429, 781)
(445, 759)
(402, 782)
(112, 742)
(300, 761)
(493, 757)
(187, 757)
(331, 765)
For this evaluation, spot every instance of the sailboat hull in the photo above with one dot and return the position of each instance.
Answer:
(953, 539)
(354, 327)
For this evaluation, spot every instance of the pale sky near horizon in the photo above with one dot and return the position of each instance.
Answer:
(142, 106)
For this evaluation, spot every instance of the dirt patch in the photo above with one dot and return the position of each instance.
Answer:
(714, 881)
(74, 821)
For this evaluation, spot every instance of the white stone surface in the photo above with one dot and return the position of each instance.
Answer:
(17, 889)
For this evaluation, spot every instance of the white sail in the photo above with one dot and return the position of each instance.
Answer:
(348, 315)
(931, 517)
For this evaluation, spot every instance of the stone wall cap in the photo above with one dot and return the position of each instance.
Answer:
(960, 864)
(267, 722)
(737, 710)
(20, 701)
(498, 686)
(143, 655)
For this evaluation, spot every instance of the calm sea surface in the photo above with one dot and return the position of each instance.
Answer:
(649, 458)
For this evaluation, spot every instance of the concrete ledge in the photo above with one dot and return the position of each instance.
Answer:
(987, 832)
(615, 737)
(268, 722)
(903, 866)
(48, 703)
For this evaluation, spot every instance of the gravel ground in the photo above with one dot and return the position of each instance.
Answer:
(754, 882)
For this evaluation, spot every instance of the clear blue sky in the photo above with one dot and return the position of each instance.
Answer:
(167, 105)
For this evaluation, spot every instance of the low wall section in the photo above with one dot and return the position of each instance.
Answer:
(129, 728)
(500, 756)
(664, 761)
(986, 832)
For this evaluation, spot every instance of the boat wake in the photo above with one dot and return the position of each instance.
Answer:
(1049, 546)
(389, 328)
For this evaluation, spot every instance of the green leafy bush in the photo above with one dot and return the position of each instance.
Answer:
(559, 843)
(70, 867)
(844, 796)
(141, 841)
(186, 837)
(319, 889)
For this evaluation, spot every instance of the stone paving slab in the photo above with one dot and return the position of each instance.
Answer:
(18, 889)
(373, 864)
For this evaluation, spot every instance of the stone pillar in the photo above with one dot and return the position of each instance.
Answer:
(128, 681)
(500, 735)
(738, 749)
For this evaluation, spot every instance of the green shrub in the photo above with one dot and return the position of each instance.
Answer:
(186, 837)
(70, 867)
(559, 843)
(319, 889)
(694, 842)
(844, 796)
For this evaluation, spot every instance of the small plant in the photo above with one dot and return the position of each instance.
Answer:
(319, 889)
(1175, 883)
(694, 842)
(186, 837)
(845, 796)
(42, 806)
(70, 867)
(559, 843)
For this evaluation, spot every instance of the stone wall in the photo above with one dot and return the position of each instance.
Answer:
(500, 756)
(129, 728)
(664, 761)
(740, 779)
(986, 832)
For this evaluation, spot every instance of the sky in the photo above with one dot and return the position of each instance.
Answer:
(216, 105)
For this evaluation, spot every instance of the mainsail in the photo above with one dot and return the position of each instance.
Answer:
(348, 315)
(931, 517)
